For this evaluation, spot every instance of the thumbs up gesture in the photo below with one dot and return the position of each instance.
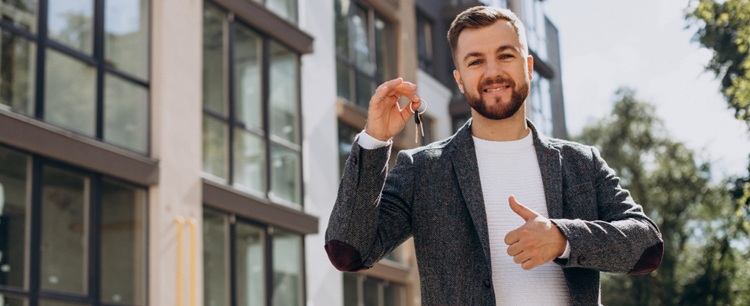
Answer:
(536, 242)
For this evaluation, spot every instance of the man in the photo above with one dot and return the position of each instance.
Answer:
(460, 198)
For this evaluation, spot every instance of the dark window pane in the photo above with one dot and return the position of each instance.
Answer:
(394, 294)
(6, 300)
(215, 147)
(341, 8)
(69, 101)
(346, 139)
(343, 81)
(371, 292)
(285, 174)
(284, 99)
(250, 268)
(22, 13)
(215, 259)
(214, 64)
(71, 22)
(247, 70)
(249, 161)
(360, 40)
(57, 303)
(382, 46)
(17, 73)
(365, 89)
(351, 289)
(64, 231)
(14, 197)
(287, 269)
(127, 28)
(123, 243)
(126, 114)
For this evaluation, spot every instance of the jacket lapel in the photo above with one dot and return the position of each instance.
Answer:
(550, 165)
(464, 160)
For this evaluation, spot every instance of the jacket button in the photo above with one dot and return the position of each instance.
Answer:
(487, 283)
(581, 259)
(354, 160)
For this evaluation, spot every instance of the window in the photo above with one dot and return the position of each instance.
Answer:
(365, 51)
(371, 291)
(540, 105)
(424, 43)
(286, 9)
(69, 236)
(251, 110)
(104, 44)
(250, 264)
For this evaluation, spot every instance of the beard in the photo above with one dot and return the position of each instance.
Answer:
(498, 110)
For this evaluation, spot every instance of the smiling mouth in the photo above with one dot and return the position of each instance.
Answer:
(498, 88)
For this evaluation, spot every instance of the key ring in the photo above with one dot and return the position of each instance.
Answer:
(422, 106)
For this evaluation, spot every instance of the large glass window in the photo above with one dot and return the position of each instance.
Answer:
(371, 291)
(286, 9)
(88, 232)
(251, 131)
(365, 51)
(246, 248)
(424, 43)
(103, 43)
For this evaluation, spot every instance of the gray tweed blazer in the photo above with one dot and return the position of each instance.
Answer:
(434, 194)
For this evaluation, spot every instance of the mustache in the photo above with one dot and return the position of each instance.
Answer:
(498, 80)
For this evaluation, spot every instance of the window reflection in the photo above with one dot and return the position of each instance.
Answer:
(127, 27)
(70, 101)
(17, 73)
(71, 22)
(250, 265)
(14, 196)
(287, 269)
(64, 231)
(123, 242)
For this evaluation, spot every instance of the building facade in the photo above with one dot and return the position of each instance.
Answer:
(173, 152)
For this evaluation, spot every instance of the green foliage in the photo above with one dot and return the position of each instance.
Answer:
(702, 223)
(724, 27)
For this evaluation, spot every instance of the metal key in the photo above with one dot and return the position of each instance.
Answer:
(418, 126)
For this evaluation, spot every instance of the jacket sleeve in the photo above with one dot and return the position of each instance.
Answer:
(371, 216)
(621, 239)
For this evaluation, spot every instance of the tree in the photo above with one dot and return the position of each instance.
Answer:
(675, 190)
(724, 27)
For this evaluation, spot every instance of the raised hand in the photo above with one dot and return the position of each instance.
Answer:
(385, 118)
(536, 242)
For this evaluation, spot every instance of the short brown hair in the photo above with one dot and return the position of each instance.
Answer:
(482, 16)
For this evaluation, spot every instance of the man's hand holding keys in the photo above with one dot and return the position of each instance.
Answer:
(385, 118)
(536, 242)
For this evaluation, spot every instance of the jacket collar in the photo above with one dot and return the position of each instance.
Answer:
(464, 160)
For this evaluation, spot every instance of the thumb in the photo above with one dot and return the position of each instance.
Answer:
(521, 210)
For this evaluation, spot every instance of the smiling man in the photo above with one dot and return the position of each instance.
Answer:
(460, 198)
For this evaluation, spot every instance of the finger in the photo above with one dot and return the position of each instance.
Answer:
(384, 89)
(522, 258)
(529, 264)
(521, 210)
(512, 237)
(514, 249)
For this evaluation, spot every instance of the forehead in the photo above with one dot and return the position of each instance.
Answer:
(487, 39)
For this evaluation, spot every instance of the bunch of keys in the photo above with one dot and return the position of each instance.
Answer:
(418, 126)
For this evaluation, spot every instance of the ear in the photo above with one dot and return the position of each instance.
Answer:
(530, 66)
(459, 81)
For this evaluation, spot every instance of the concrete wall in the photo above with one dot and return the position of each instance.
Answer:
(176, 141)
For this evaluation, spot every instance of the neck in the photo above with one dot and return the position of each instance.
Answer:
(508, 129)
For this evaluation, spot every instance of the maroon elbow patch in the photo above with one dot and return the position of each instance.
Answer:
(343, 256)
(650, 260)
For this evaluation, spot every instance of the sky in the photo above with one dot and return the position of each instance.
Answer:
(644, 45)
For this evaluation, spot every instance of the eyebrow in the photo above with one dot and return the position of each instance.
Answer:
(499, 49)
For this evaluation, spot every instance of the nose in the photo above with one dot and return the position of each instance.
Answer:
(492, 69)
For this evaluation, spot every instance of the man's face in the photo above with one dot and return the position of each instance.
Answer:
(492, 70)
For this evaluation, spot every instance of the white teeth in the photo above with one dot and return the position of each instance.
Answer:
(495, 89)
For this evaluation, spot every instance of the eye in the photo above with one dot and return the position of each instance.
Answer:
(506, 56)
(474, 62)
